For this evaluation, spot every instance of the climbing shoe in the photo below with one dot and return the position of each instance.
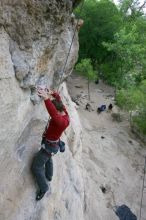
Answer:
(49, 178)
(40, 195)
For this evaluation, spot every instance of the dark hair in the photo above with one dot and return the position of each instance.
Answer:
(58, 104)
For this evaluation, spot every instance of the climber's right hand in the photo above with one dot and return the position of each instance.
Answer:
(43, 93)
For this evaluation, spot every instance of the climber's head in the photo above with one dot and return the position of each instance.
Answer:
(58, 104)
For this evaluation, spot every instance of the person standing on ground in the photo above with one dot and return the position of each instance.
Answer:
(42, 165)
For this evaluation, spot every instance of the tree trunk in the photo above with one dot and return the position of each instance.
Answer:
(130, 118)
(88, 89)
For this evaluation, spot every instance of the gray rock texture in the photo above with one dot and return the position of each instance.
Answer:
(40, 33)
(35, 36)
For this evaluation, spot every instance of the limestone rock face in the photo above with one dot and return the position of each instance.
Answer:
(35, 38)
(37, 31)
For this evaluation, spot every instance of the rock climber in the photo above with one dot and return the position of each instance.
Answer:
(101, 108)
(110, 106)
(42, 165)
(88, 107)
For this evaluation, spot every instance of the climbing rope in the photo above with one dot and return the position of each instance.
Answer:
(63, 69)
(143, 187)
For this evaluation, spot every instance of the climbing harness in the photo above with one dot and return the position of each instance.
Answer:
(63, 69)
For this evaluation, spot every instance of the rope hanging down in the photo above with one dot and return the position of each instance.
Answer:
(143, 187)
(63, 70)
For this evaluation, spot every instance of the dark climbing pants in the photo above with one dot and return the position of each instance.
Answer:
(42, 169)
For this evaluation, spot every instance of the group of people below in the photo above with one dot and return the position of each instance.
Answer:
(100, 108)
(103, 108)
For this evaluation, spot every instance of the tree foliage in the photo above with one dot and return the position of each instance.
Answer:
(85, 68)
(114, 39)
(130, 57)
(101, 21)
(134, 99)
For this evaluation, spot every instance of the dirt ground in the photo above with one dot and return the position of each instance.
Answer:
(113, 157)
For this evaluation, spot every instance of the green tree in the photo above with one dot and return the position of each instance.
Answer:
(134, 99)
(130, 56)
(101, 20)
(85, 68)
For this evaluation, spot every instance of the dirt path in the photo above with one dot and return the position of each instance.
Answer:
(112, 156)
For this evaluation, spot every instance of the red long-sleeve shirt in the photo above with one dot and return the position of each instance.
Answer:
(58, 123)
